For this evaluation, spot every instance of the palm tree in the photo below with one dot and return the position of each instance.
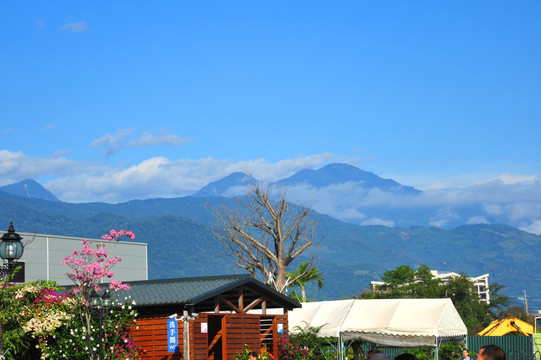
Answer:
(302, 276)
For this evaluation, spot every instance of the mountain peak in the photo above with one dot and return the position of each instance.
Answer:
(29, 189)
(340, 173)
(226, 186)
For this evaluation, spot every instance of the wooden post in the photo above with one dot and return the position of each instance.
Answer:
(186, 334)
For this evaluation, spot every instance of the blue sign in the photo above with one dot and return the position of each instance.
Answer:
(172, 335)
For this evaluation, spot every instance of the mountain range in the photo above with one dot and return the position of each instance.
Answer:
(350, 255)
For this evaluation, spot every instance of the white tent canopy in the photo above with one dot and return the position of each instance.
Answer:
(390, 322)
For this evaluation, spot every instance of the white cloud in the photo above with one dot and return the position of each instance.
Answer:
(493, 209)
(269, 172)
(75, 27)
(476, 220)
(376, 221)
(16, 166)
(534, 227)
(147, 139)
(510, 179)
(517, 202)
(156, 177)
(114, 143)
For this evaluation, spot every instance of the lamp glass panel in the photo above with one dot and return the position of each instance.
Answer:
(3, 250)
(11, 249)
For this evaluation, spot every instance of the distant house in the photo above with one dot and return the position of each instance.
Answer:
(480, 283)
(208, 317)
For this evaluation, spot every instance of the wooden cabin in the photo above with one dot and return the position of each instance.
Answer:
(209, 318)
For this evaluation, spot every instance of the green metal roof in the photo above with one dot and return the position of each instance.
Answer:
(201, 292)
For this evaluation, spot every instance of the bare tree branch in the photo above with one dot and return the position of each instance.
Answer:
(265, 233)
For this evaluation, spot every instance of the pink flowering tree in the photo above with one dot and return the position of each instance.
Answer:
(90, 267)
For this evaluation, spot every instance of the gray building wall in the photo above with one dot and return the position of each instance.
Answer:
(43, 256)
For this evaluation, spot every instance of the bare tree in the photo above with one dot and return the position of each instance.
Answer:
(265, 233)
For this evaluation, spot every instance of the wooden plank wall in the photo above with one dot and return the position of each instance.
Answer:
(199, 340)
(241, 329)
(151, 334)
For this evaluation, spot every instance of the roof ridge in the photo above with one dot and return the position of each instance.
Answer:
(192, 278)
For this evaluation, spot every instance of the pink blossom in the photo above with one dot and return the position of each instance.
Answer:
(118, 234)
(117, 285)
(91, 264)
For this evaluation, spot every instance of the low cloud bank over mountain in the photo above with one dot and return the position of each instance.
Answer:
(342, 191)
(350, 194)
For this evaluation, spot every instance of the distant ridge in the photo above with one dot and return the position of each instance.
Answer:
(181, 241)
(29, 189)
(328, 175)
(342, 173)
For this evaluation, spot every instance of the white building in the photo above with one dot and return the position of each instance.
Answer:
(43, 256)
(480, 283)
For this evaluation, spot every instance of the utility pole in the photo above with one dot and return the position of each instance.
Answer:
(525, 299)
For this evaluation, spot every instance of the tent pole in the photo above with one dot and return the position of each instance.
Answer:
(339, 353)
(436, 350)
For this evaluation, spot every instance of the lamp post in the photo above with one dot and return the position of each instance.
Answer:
(11, 249)
(100, 304)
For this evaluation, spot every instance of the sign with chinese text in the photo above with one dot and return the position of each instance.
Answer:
(172, 335)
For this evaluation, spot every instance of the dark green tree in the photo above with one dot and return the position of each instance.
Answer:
(516, 311)
(405, 282)
(475, 314)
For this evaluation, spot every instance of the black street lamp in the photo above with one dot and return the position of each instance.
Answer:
(11, 249)
(100, 304)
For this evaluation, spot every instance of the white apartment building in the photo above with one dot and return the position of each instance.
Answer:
(480, 283)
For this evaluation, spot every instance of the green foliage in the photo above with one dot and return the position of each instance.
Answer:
(447, 352)
(516, 311)
(475, 314)
(422, 353)
(244, 355)
(305, 344)
(405, 282)
(303, 275)
(40, 322)
(363, 253)
(316, 348)
(13, 342)
(290, 351)
(29, 313)
(70, 341)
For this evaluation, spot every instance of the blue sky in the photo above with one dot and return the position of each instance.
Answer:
(116, 100)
